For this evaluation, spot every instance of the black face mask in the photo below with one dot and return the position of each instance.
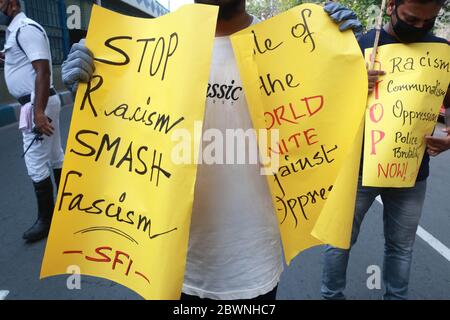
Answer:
(407, 33)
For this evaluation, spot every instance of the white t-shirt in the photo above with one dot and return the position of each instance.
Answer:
(19, 72)
(234, 247)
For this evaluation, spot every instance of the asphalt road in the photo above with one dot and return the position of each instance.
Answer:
(20, 263)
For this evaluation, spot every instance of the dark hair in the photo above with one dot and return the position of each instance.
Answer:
(439, 2)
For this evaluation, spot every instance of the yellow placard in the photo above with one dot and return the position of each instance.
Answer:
(403, 108)
(123, 208)
(306, 81)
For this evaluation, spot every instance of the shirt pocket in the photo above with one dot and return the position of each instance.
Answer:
(13, 54)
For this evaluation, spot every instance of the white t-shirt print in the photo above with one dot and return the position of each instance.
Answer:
(234, 247)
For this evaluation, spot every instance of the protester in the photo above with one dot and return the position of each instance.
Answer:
(234, 247)
(410, 21)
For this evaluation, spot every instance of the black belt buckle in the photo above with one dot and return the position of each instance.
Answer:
(26, 99)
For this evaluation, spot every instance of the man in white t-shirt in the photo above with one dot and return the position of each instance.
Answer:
(234, 246)
(28, 76)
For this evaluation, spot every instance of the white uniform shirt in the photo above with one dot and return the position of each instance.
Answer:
(19, 72)
(234, 246)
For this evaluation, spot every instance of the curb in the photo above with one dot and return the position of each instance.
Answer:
(10, 113)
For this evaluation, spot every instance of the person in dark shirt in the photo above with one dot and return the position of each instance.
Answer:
(410, 21)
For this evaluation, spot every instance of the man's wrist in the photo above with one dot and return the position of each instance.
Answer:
(38, 112)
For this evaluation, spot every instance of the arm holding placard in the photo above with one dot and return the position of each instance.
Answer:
(345, 17)
(373, 76)
(79, 66)
(437, 145)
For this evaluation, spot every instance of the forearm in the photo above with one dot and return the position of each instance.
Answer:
(447, 117)
(447, 99)
(447, 108)
(42, 91)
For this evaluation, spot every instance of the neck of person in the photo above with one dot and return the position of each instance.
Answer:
(389, 30)
(239, 21)
(15, 13)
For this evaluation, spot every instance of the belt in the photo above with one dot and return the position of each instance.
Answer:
(26, 99)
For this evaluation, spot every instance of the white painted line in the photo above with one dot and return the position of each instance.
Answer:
(434, 243)
(3, 294)
(428, 238)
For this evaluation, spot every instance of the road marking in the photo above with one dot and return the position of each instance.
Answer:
(3, 294)
(428, 238)
(434, 243)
